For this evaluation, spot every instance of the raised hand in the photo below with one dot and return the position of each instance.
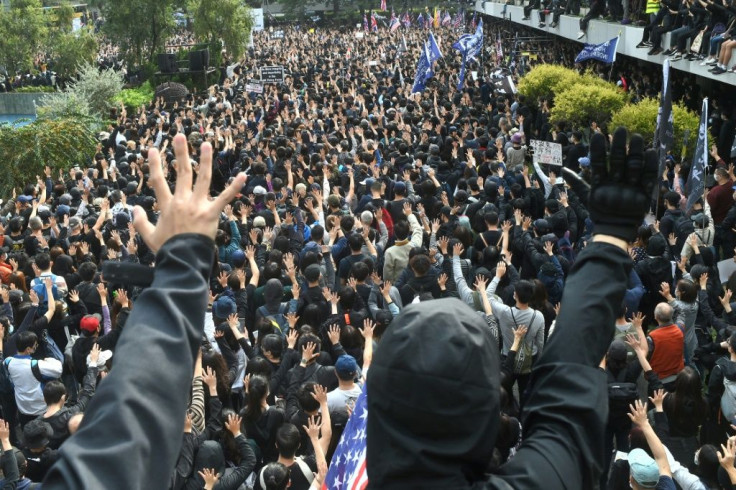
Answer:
(622, 184)
(233, 424)
(188, 209)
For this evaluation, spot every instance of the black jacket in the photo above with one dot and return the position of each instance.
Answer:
(433, 422)
(139, 410)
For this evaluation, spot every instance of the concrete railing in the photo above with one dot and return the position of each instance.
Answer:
(23, 103)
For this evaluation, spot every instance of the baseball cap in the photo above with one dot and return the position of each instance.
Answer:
(90, 323)
(24, 198)
(346, 365)
(36, 434)
(516, 139)
(644, 469)
(75, 222)
(61, 210)
(584, 161)
(259, 222)
(400, 187)
(259, 191)
(223, 307)
(541, 224)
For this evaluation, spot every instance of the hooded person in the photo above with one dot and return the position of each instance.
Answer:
(274, 309)
(433, 390)
(655, 269)
(451, 419)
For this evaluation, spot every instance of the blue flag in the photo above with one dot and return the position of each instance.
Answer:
(420, 77)
(469, 45)
(605, 52)
(696, 179)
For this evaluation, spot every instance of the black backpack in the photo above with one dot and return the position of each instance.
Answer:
(620, 393)
(683, 229)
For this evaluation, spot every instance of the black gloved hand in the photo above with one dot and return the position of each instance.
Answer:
(622, 187)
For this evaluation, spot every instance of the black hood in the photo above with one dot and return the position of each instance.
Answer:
(273, 291)
(209, 455)
(433, 399)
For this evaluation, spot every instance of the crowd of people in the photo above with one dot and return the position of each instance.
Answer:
(343, 216)
(699, 29)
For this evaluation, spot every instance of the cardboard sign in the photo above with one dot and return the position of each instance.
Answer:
(254, 86)
(546, 152)
(272, 74)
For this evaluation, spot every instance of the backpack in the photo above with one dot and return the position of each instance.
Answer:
(524, 358)
(68, 350)
(35, 369)
(620, 393)
(728, 398)
(40, 289)
(278, 318)
(298, 461)
(683, 229)
(6, 384)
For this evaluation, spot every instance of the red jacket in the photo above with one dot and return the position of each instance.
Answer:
(668, 356)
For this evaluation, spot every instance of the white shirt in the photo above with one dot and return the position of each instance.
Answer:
(337, 398)
(28, 391)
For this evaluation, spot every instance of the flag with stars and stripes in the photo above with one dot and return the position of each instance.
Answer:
(696, 180)
(406, 20)
(347, 470)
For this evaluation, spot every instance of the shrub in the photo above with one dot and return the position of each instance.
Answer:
(59, 143)
(642, 118)
(547, 81)
(64, 104)
(35, 90)
(580, 104)
(99, 87)
(133, 98)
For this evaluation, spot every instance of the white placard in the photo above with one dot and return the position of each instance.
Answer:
(546, 152)
(725, 269)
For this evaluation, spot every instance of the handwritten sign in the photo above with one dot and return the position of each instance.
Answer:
(546, 152)
(272, 74)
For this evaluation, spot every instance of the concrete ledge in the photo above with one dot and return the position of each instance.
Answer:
(599, 32)
(24, 103)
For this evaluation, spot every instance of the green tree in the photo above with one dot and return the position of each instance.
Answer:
(138, 27)
(22, 34)
(90, 96)
(580, 104)
(546, 81)
(59, 143)
(642, 118)
(228, 20)
(68, 50)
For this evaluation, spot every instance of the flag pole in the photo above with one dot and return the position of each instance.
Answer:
(705, 147)
(610, 72)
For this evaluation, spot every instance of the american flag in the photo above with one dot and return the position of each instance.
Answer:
(394, 24)
(458, 20)
(347, 470)
(420, 20)
(406, 20)
(383, 5)
(365, 22)
(446, 20)
(374, 23)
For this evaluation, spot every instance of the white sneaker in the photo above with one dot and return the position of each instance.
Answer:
(706, 61)
(581, 34)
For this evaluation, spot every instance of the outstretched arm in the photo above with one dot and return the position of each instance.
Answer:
(139, 409)
(567, 401)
